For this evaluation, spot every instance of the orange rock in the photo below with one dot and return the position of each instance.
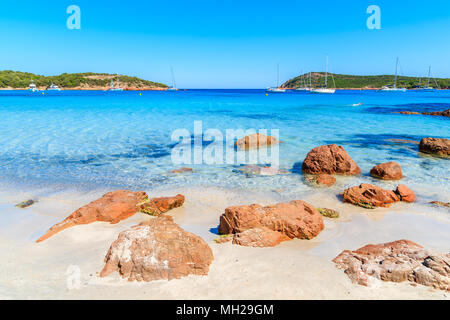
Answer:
(182, 170)
(325, 179)
(157, 206)
(405, 193)
(330, 159)
(255, 140)
(397, 261)
(259, 237)
(369, 196)
(112, 207)
(296, 219)
(157, 249)
(387, 171)
(435, 146)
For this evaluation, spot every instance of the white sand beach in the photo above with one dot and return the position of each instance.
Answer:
(297, 269)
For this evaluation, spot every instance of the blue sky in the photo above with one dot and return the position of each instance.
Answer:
(225, 44)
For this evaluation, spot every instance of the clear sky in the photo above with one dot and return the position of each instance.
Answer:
(225, 44)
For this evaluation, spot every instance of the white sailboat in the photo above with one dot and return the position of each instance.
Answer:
(173, 87)
(325, 89)
(53, 87)
(276, 89)
(394, 88)
(427, 87)
(116, 87)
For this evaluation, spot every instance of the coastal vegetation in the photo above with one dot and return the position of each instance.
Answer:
(344, 81)
(17, 79)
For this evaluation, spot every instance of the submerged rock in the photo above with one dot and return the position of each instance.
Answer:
(25, 204)
(256, 140)
(435, 146)
(111, 207)
(182, 170)
(322, 179)
(157, 249)
(329, 213)
(387, 171)
(296, 219)
(441, 204)
(252, 170)
(330, 159)
(445, 113)
(157, 206)
(397, 261)
(369, 196)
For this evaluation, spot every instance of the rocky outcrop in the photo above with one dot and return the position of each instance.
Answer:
(435, 146)
(329, 213)
(445, 113)
(259, 237)
(369, 196)
(157, 206)
(157, 249)
(396, 261)
(296, 219)
(387, 171)
(405, 193)
(330, 159)
(256, 140)
(112, 207)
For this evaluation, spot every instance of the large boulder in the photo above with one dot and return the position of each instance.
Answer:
(112, 207)
(369, 196)
(296, 219)
(405, 193)
(436, 146)
(330, 159)
(157, 206)
(397, 261)
(387, 171)
(256, 140)
(157, 249)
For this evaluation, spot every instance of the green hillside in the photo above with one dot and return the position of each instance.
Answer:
(17, 79)
(350, 81)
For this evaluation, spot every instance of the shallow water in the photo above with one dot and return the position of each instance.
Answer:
(88, 140)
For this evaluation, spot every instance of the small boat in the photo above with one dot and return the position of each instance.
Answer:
(116, 87)
(393, 88)
(173, 87)
(325, 89)
(276, 89)
(32, 87)
(53, 87)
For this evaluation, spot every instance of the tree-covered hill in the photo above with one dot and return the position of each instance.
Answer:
(88, 80)
(344, 81)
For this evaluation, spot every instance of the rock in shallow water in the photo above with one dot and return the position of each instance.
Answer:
(157, 249)
(296, 219)
(329, 213)
(397, 261)
(387, 171)
(330, 159)
(435, 146)
(256, 140)
(26, 204)
(111, 207)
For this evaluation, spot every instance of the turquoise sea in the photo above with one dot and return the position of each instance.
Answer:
(86, 140)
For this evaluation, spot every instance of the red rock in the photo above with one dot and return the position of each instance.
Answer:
(436, 146)
(331, 159)
(387, 171)
(296, 219)
(112, 207)
(157, 249)
(259, 237)
(326, 179)
(409, 112)
(255, 140)
(441, 203)
(157, 206)
(369, 196)
(182, 170)
(397, 261)
(405, 193)
(445, 113)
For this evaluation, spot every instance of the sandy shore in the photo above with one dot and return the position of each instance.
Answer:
(297, 269)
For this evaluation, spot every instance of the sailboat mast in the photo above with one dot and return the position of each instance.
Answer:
(310, 86)
(278, 74)
(429, 73)
(173, 78)
(326, 74)
(396, 70)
